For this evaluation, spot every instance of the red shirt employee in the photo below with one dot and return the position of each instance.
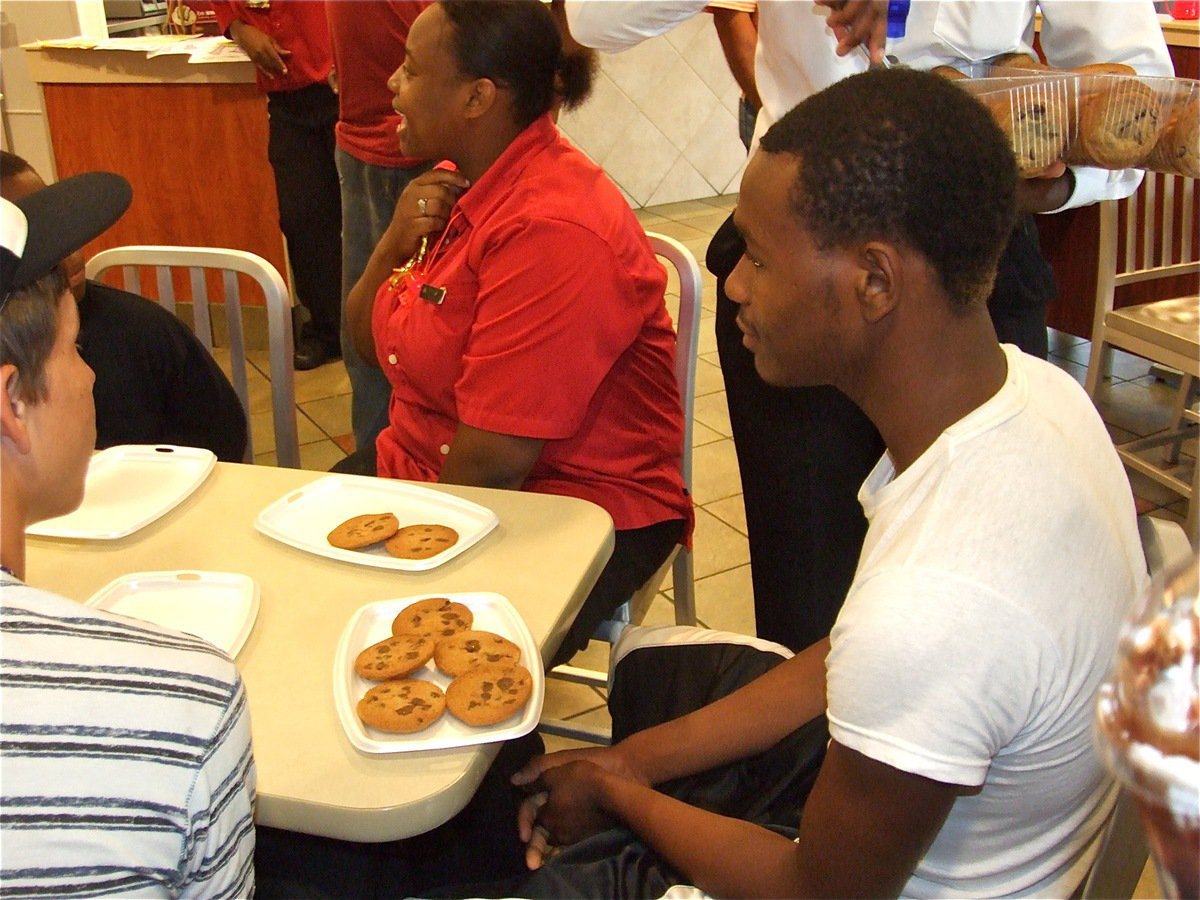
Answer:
(528, 345)
(288, 42)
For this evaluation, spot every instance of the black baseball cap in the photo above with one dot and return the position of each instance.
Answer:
(39, 231)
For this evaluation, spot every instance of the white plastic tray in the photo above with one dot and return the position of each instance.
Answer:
(305, 517)
(128, 487)
(219, 607)
(373, 622)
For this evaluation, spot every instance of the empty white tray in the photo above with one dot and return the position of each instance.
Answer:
(128, 487)
(304, 518)
(219, 607)
(373, 623)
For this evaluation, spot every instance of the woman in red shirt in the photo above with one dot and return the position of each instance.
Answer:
(514, 303)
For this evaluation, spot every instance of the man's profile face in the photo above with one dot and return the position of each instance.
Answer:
(21, 185)
(791, 315)
(62, 423)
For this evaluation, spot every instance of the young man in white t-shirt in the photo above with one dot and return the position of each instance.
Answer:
(1001, 555)
(127, 765)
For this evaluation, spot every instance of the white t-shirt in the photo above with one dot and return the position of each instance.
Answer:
(983, 616)
(127, 767)
(796, 56)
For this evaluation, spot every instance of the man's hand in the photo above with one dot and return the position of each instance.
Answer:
(262, 49)
(567, 809)
(565, 805)
(612, 759)
(858, 22)
(1047, 190)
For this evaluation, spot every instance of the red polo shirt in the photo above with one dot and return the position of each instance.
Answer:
(296, 25)
(368, 38)
(553, 326)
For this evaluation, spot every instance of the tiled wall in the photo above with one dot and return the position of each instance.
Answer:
(662, 119)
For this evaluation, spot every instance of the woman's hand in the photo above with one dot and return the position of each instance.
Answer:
(424, 208)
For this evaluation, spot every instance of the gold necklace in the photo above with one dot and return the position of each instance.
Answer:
(413, 262)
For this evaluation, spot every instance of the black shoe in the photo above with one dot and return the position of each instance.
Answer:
(312, 352)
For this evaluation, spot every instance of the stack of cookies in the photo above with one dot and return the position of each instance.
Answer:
(489, 684)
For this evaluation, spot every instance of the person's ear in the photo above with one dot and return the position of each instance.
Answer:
(880, 278)
(481, 97)
(13, 410)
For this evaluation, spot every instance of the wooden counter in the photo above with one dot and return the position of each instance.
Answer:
(191, 139)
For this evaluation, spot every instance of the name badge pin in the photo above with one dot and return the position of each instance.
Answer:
(432, 293)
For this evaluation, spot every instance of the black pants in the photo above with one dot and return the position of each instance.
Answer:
(478, 844)
(803, 453)
(653, 685)
(300, 149)
(637, 554)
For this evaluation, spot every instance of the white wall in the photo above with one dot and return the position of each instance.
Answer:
(662, 121)
(22, 22)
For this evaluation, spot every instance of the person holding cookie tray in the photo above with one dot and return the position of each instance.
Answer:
(514, 302)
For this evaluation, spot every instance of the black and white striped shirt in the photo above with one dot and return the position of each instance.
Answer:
(125, 760)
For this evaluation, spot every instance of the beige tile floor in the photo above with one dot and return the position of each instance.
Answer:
(1132, 402)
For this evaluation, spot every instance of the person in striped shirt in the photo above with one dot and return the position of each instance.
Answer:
(124, 748)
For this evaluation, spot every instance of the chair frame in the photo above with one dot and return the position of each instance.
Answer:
(1163, 254)
(687, 343)
(197, 260)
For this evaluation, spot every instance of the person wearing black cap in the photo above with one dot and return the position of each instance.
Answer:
(127, 761)
(155, 382)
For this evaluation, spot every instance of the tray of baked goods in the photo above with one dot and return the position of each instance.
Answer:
(1103, 115)
(433, 672)
(376, 522)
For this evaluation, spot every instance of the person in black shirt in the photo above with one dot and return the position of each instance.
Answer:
(155, 382)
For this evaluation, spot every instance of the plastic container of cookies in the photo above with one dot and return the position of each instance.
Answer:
(373, 622)
(303, 518)
(1093, 118)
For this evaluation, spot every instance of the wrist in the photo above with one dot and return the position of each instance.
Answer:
(635, 759)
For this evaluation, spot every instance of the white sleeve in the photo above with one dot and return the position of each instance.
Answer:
(219, 857)
(615, 25)
(931, 674)
(1078, 32)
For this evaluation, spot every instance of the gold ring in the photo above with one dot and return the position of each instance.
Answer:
(422, 203)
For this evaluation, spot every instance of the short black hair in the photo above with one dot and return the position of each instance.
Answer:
(11, 164)
(517, 44)
(908, 157)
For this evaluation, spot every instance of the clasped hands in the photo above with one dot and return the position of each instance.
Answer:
(567, 798)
